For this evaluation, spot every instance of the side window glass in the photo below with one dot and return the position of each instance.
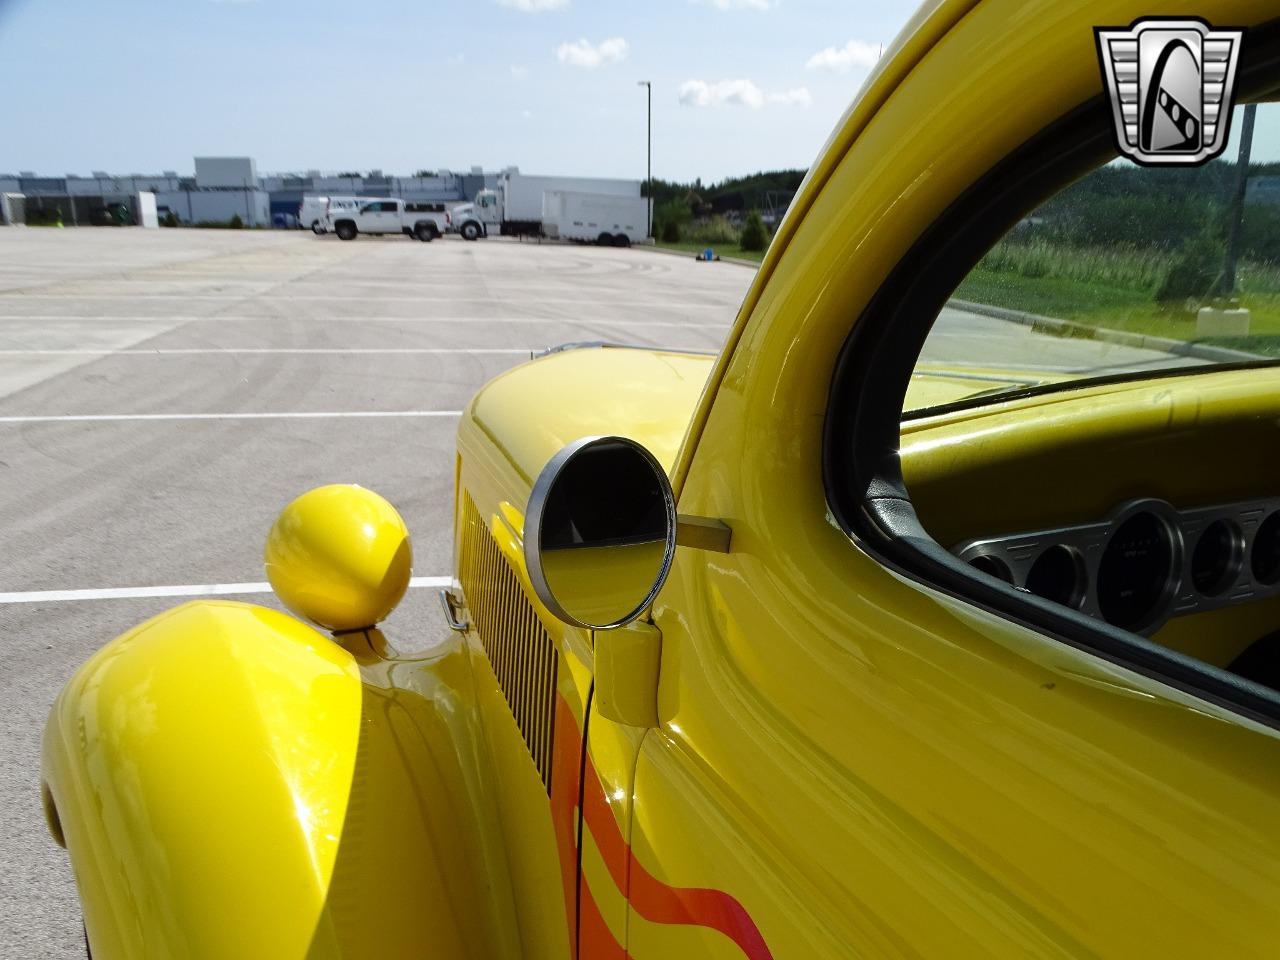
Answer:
(1129, 269)
(1145, 502)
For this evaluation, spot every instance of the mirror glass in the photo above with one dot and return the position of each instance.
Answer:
(600, 532)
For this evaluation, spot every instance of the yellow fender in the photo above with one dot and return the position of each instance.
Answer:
(227, 786)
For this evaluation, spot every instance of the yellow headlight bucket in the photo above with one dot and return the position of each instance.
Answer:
(340, 556)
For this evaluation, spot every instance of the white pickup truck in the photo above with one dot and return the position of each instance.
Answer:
(424, 220)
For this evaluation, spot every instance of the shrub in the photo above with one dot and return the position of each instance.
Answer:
(1194, 273)
(714, 230)
(170, 219)
(235, 223)
(673, 211)
(44, 217)
(1261, 233)
(670, 231)
(754, 236)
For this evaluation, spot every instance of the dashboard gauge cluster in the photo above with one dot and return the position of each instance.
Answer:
(1147, 562)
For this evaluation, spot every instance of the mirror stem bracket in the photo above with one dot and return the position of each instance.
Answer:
(703, 533)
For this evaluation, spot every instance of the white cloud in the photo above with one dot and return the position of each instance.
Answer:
(854, 55)
(795, 97)
(519, 72)
(738, 93)
(527, 114)
(534, 6)
(739, 4)
(582, 53)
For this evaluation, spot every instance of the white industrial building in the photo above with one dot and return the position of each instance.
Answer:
(222, 187)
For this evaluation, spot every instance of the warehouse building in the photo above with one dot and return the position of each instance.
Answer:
(223, 187)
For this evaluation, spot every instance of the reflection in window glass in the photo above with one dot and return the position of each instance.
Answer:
(1179, 255)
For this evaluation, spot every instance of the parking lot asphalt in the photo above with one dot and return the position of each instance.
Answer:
(164, 393)
(132, 324)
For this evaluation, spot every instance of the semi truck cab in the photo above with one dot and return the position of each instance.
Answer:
(475, 220)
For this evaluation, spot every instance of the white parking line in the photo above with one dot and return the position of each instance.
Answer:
(240, 298)
(186, 590)
(171, 320)
(184, 351)
(337, 414)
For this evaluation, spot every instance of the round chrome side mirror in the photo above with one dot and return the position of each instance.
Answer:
(600, 532)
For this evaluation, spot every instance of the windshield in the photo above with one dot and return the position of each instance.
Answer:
(1130, 270)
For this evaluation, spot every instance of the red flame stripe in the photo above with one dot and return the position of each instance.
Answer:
(654, 900)
(598, 941)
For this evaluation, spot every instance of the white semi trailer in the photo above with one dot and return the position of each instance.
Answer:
(516, 207)
(594, 218)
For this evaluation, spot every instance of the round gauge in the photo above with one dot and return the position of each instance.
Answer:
(1058, 575)
(992, 567)
(1216, 558)
(1135, 574)
(1266, 551)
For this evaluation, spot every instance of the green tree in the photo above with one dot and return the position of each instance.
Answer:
(235, 223)
(754, 236)
(669, 219)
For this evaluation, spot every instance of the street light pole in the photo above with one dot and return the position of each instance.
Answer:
(648, 210)
(1227, 284)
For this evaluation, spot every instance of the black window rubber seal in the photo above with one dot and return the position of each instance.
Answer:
(861, 433)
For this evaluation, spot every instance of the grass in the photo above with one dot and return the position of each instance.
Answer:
(693, 247)
(1115, 288)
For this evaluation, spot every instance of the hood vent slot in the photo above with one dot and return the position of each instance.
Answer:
(520, 650)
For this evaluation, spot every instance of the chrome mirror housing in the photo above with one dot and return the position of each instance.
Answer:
(600, 532)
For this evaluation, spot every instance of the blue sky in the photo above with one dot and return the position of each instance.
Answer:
(548, 85)
(401, 85)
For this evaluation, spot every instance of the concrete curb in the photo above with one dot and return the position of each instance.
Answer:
(736, 261)
(1082, 331)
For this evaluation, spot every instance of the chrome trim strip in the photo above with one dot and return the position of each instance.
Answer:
(449, 604)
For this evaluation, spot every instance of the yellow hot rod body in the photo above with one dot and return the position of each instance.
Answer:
(818, 739)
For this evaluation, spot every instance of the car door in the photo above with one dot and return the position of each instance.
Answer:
(387, 220)
(370, 217)
(850, 761)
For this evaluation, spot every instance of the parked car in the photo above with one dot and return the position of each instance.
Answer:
(421, 220)
(898, 629)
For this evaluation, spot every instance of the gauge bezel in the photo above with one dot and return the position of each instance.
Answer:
(1018, 551)
(1166, 517)
(1081, 579)
(1237, 558)
(1273, 581)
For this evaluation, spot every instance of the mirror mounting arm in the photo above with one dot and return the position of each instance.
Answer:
(703, 533)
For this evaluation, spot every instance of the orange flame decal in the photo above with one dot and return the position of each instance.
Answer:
(651, 898)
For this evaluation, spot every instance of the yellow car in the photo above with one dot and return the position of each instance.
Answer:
(938, 616)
